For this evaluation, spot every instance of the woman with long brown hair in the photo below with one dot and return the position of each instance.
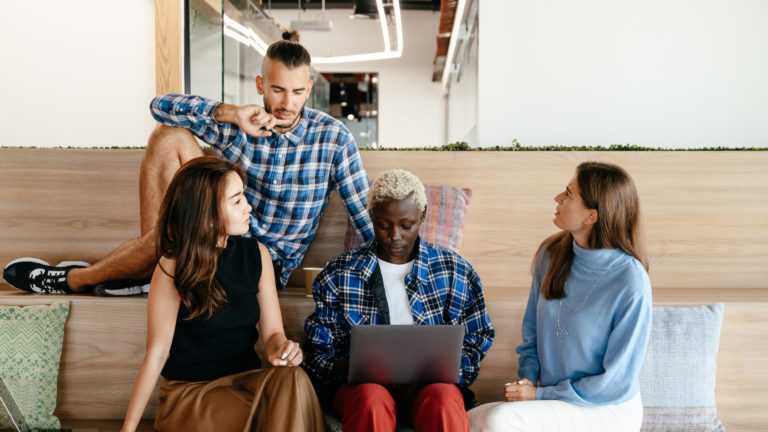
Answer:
(587, 323)
(209, 290)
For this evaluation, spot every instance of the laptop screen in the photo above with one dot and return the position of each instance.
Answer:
(405, 354)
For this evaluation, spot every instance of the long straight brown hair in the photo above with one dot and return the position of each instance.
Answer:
(610, 190)
(191, 225)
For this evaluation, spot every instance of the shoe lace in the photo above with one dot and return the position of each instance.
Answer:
(50, 281)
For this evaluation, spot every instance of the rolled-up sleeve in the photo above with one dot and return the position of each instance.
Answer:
(195, 113)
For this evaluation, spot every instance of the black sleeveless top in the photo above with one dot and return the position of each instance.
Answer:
(206, 348)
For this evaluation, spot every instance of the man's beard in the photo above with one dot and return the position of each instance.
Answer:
(294, 121)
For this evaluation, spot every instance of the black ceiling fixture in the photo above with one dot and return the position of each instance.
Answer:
(366, 9)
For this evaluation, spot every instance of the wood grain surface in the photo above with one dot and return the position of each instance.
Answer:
(168, 46)
(705, 213)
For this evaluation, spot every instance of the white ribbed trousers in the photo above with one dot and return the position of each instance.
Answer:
(556, 416)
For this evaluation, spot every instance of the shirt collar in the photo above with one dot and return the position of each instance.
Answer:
(296, 135)
(366, 259)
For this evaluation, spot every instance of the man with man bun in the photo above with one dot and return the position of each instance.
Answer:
(294, 157)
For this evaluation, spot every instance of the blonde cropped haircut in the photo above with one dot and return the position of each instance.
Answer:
(397, 184)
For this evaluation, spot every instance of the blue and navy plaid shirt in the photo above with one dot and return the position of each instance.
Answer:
(442, 288)
(290, 176)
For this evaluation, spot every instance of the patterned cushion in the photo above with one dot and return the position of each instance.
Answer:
(29, 360)
(677, 380)
(443, 222)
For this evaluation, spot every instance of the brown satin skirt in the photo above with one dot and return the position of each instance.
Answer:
(271, 399)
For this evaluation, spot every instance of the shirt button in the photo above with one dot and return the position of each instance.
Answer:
(274, 181)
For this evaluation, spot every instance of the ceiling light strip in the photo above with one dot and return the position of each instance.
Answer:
(383, 23)
(244, 35)
(457, 19)
(248, 37)
(356, 58)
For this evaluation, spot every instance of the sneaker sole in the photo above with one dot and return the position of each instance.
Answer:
(130, 291)
(120, 292)
(73, 264)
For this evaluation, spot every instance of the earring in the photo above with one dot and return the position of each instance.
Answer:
(585, 222)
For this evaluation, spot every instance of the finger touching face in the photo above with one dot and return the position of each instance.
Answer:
(285, 91)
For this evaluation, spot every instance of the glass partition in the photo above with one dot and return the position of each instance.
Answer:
(202, 50)
(225, 45)
(354, 99)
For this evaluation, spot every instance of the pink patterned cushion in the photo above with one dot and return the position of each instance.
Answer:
(443, 223)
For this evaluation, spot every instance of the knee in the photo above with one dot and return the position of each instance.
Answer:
(440, 407)
(167, 141)
(440, 395)
(373, 398)
(290, 376)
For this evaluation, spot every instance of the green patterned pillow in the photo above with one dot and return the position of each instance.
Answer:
(30, 349)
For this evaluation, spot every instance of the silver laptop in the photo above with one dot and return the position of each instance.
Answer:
(405, 354)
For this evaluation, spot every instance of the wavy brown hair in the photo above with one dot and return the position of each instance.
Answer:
(191, 225)
(609, 189)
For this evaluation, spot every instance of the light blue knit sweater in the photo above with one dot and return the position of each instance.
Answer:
(599, 361)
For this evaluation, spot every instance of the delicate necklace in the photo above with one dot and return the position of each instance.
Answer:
(562, 332)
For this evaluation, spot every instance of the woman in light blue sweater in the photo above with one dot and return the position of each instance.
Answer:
(588, 318)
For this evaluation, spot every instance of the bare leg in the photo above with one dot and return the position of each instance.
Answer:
(168, 148)
(134, 259)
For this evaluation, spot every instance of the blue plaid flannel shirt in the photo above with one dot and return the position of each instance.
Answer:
(442, 288)
(290, 176)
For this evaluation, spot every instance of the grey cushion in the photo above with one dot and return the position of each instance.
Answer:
(677, 380)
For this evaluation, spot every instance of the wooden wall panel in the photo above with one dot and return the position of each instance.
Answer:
(97, 374)
(706, 213)
(706, 216)
(58, 204)
(168, 16)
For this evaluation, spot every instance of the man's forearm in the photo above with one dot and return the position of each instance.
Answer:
(224, 113)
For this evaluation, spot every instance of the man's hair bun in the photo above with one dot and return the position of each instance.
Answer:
(291, 36)
(288, 51)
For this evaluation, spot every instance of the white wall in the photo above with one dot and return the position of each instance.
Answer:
(666, 73)
(82, 73)
(77, 72)
(411, 106)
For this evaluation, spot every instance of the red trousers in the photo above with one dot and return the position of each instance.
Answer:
(375, 408)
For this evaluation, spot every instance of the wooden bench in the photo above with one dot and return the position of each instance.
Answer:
(706, 217)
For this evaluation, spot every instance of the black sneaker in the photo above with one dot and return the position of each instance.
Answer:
(37, 276)
(123, 287)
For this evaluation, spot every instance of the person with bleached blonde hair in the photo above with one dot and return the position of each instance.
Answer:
(397, 278)
(398, 184)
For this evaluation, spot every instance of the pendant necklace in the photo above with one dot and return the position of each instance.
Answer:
(562, 332)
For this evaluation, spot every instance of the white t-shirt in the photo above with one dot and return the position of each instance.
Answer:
(393, 276)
